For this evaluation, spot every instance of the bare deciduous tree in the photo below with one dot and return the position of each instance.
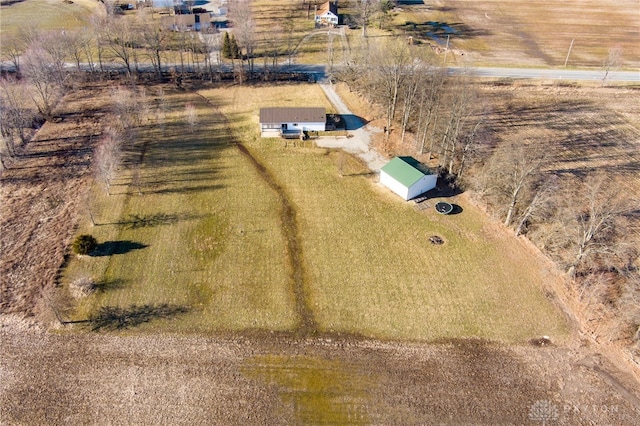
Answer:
(75, 48)
(244, 28)
(515, 168)
(12, 48)
(191, 116)
(107, 158)
(366, 9)
(58, 47)
(593, 214)
(98, 31)
(121, 40)
(212, 46)
(155, 38)
(430, 96)
(469, 145)
(130, 107)
(390, 63)
(462, 96)
(15, 115)
(43, 77)
(354, 71)
(3, 153)
(630, 306)
(290, 42)
(611, 62)
(537, 203)
(416, 73)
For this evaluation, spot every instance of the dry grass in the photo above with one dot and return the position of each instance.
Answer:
(529, 33)
(585, 131)
(45, 15)
(492, 287)
(207, 240)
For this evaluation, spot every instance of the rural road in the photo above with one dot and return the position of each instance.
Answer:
(319, 71)
(549, 74)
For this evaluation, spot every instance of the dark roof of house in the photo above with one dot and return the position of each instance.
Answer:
(292, 114)
(329, 6)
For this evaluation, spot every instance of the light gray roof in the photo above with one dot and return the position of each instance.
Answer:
(292, 114)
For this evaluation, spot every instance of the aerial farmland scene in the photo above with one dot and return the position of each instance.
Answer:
(351, 212)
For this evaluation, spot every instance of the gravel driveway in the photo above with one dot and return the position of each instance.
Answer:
(359, 142)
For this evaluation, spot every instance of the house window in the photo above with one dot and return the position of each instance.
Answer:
(295, 124)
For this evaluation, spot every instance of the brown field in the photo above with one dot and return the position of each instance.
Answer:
(265, 379)
(535, 33)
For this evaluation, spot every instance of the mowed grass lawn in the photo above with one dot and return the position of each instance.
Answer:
(213, 240)
(369, 268)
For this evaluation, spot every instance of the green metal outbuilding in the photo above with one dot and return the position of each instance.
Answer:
(407, 177)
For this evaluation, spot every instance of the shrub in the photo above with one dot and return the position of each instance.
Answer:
(84, 244)
(82, 287)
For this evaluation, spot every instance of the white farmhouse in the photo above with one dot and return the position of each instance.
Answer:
(407, 177)
(327, 14)
(291, 121)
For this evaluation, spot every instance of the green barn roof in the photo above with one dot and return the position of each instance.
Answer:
(405, 170)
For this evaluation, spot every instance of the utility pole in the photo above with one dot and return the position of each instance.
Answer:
(330, 51)
(569, 52)
(446, 50)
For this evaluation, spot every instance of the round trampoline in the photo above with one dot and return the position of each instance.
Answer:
(444, 208)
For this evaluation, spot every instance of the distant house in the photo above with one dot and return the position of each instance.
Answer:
(163, 4)
(291, 121)
(407, 177)
(187, 22)
(327, 14)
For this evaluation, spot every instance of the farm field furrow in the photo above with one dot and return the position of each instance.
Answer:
(542, 31)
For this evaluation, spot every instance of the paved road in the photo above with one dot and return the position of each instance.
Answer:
(550, 74)
(319, 72)
(529, 73)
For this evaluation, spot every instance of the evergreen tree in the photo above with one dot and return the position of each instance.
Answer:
(227, 51)
(235, 50)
